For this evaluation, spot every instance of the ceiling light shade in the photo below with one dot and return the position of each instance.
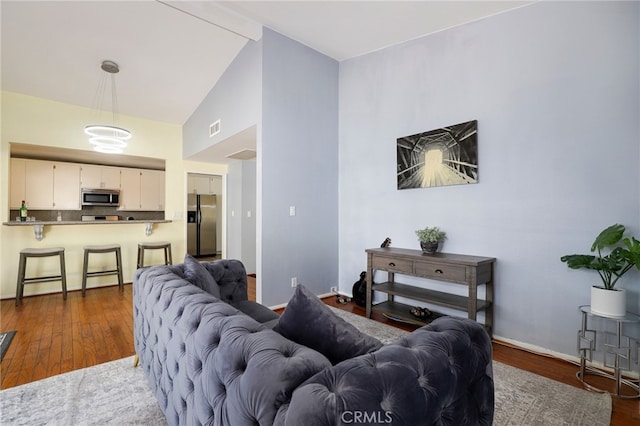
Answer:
(104, 137)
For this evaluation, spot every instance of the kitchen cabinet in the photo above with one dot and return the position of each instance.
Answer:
(204, 184)
(142, 190)
(17, 189)
(45, 185)
(66, 186)
(103, 177)
(129, 189)
(39, 185)
(198, 184)
(152, 190)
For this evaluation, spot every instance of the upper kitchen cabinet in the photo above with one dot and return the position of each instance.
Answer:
(45, 185)
(103, 177)
(152, 190)
(66, 186)
(142, 190)
(204, 184)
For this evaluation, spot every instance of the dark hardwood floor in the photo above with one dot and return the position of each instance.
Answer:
(56, 336)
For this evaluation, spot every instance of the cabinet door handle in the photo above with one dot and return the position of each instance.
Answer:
(439, 271)
(392, 264)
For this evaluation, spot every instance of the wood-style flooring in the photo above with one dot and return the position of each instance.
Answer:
(56, 336)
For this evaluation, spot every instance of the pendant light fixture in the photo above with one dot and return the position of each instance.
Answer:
(107, 138)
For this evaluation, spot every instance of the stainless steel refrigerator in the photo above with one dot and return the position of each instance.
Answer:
(201, 225)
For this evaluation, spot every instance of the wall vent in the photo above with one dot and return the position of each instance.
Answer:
(214, 128)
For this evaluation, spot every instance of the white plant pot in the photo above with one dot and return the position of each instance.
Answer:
(608, 302)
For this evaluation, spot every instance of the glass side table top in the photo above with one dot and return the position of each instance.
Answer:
(628, 317)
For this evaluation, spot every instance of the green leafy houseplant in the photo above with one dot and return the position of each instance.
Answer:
(612, 266)
(430, 238)
(431, 235)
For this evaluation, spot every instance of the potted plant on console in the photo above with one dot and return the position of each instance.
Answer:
(430, 238)
(623, 255)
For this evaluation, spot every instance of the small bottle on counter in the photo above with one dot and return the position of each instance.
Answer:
(59, 218)
(23, 212)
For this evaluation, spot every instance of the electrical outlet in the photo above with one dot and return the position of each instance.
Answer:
(334, 289)
(294, 282)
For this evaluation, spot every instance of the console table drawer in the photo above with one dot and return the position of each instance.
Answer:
(392, 264)
(441, 272)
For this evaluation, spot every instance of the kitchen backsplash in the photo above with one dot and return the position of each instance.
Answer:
(76, 215)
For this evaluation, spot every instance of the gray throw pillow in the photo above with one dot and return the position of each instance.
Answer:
(308, 321)
(198, 275)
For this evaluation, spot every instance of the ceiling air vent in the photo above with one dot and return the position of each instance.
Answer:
(214, 128)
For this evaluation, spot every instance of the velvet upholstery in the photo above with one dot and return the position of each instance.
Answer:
(308, 321)
(197, 275)
(210, 364)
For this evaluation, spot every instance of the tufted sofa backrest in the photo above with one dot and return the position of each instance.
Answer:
(206, 362)
(440, 374)
(230, 275)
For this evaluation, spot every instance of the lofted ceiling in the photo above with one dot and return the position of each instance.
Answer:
(171, 53)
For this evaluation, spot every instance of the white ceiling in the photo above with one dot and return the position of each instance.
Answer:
(171, 53)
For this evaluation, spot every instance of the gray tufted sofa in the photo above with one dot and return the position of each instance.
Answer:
(209, 363)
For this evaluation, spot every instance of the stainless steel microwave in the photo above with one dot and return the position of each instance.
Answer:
(100, 197)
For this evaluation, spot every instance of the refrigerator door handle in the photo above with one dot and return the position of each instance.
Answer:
(198, 217)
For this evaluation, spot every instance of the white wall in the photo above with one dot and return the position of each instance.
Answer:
(555, 89)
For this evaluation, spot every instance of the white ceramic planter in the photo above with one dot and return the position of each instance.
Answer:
(608, 302)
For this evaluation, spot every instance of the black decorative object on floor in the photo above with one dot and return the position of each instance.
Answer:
(5, 341)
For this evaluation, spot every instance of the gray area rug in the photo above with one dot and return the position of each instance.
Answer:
(115, 393)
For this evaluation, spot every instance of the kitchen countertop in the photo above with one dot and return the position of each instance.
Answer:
(38, 225)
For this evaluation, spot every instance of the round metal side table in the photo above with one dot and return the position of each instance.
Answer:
(619, 350)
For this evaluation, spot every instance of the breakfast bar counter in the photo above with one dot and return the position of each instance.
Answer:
(38, 225)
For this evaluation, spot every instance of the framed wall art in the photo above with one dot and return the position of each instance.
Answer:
(445, 156)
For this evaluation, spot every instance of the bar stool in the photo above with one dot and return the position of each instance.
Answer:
(109, 248)
(165, 245)
(40, 252)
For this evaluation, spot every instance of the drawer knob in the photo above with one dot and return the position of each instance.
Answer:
(439, 271)
(392, 264)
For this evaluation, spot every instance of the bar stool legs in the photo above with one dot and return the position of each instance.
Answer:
(111, 248)
(166, 246)
(22, 267)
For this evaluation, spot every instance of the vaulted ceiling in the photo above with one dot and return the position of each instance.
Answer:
(171, 53)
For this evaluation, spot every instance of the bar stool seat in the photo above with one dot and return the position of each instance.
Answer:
(40, 252)
(164, 245)
(107, 248)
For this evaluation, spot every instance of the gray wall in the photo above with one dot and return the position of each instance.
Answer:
(555, 89)
(235, 100)
(298, 166)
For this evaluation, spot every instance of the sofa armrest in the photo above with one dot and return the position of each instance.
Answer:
(208, 363)
(439, 374)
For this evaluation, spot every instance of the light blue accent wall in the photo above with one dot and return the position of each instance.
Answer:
(299, 167)
(555, 89)
(235, 100)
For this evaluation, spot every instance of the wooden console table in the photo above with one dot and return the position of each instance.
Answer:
(454, 268)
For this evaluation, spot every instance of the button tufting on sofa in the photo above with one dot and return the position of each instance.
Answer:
(212, 364)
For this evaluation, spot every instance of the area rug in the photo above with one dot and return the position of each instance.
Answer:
(115, 393)
(5, 341)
